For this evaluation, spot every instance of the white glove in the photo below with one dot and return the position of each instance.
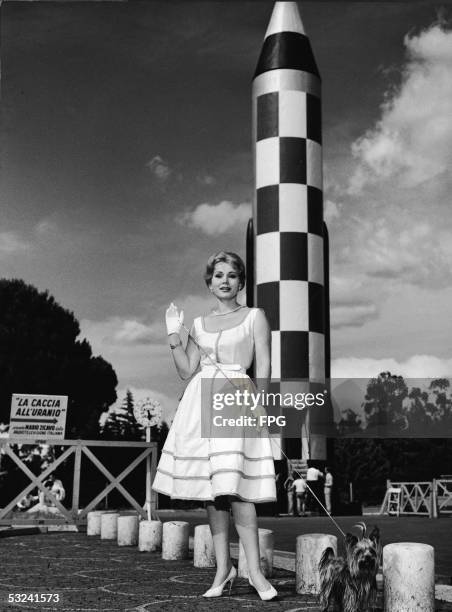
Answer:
(173, 319)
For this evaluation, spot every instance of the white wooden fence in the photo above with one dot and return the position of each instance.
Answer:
(75, 515)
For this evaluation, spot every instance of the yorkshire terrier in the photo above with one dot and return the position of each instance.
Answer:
(349, 584)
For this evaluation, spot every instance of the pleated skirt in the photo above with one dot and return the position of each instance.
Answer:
(202, 468)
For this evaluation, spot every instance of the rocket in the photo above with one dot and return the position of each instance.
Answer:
(287, 247)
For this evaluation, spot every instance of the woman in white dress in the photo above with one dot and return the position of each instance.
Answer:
(224, 472)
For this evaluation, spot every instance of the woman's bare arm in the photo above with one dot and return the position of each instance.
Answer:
(186, 360)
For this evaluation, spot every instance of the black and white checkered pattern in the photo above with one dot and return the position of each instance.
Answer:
(288, 206)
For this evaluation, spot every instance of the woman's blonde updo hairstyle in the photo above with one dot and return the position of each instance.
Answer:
(225, 257)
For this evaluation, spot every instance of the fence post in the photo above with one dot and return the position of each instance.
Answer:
(433, 500)
(76, 483)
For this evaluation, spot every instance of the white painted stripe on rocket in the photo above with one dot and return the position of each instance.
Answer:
(292, 114)
(276, 355)
(316, 356)
(267, 162)
(267, 257)
(293, 207)
(315, 259)
(293, 305)
(314, 164)
(285, 18)
(286, 79)
(275, 443)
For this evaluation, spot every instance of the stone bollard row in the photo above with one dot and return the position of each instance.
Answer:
(171, 537)
(408, 567)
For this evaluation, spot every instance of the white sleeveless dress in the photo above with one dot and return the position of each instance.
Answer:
(202, 468)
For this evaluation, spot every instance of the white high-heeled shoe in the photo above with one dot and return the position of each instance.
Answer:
(217, 591)
(266, 595)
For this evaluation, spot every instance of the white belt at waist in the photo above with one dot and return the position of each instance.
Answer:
(222, 367)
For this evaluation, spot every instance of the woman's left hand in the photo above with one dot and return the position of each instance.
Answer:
(173, 319)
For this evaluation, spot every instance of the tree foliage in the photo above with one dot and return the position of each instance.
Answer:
(40, 353)
(407, 436)
(121, 423)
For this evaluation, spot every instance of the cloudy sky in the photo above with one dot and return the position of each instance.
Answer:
(126, 162)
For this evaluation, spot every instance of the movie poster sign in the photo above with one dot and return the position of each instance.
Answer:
(40, 417)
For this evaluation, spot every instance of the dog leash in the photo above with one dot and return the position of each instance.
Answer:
(217, 366)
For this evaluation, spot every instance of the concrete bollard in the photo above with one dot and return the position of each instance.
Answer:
(265, 554)
(128, 530)
(93, 522)
(409, 577)
(150, 536)
(175, 540)
(203, 551)
(109, 525)
(310, 548)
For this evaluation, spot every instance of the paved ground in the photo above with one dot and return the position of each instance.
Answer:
(89, 574)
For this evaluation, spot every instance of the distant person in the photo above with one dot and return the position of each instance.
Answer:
(314, 477)
(56, 487)
(290, 492)
(327, 489)
(300, 494)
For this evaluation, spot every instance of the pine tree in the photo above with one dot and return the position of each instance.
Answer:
(121, 423)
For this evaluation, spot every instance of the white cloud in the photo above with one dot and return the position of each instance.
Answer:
(159, 168)
(392, 248)
(45, 227)
(134, 332)
(416, 366)
(217, 219)
(352, 315)
(352, 301)
(411, 140)
(331, 211)
(118, 330)
(206, 179)
(11, 242)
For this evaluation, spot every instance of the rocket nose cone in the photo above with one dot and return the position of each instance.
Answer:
(286, 45)
(285, 18)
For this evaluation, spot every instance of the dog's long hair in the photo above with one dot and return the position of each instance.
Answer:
(349, 584)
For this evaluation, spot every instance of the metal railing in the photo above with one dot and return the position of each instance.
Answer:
(76, 515)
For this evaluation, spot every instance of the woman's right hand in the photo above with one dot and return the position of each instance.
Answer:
(174, 319)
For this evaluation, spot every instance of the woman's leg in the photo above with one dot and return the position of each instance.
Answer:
(246, 525)
(218, 515)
